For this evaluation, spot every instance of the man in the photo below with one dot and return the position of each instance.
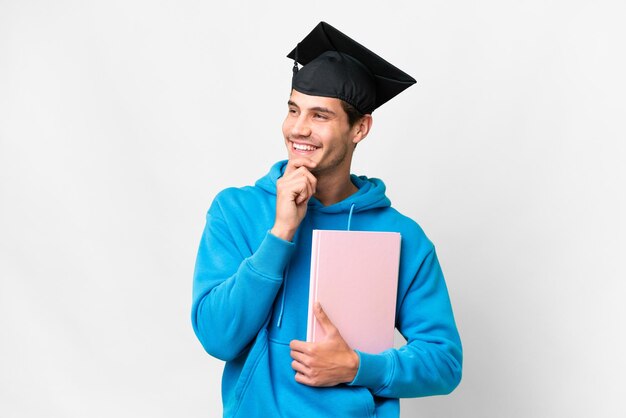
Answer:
(251, 283)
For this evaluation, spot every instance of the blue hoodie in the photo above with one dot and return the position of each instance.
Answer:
(250, 299)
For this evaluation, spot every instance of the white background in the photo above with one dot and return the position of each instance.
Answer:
(120, 120)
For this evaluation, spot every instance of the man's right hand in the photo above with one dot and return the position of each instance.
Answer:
(293, 191)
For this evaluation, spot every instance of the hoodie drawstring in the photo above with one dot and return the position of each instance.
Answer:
(282, 301)
(279, 321)
(350, 216)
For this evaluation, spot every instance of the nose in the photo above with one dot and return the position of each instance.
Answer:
(301, 127)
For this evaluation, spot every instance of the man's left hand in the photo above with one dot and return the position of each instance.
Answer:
(324, 363)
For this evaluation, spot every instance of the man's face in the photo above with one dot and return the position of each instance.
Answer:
(317, 128)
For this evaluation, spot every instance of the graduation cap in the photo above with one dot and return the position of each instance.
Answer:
(335, 65)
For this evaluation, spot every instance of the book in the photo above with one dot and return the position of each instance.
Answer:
(354, 276)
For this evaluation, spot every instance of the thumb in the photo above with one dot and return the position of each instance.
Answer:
(323, 319)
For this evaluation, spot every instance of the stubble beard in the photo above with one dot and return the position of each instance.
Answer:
(331, 166)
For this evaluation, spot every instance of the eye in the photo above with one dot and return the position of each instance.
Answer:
(320, 116)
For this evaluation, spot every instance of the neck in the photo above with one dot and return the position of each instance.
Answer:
(331, 190)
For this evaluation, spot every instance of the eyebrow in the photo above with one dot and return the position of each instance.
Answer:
(314, 109)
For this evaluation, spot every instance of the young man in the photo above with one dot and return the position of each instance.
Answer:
(251, 283)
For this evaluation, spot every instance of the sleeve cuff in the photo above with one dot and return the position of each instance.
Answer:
(373, 371)
(272, 256)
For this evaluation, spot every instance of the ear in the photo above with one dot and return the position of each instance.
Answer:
(362, 128)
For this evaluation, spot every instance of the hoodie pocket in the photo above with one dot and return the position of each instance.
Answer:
(336, 401)
(254, 392)
(297, 400)
(367, 399)
(259, 349)
(266, 388)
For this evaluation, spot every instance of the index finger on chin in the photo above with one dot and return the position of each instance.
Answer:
(295, 163)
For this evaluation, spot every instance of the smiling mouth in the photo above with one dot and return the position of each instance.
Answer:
(303, 147)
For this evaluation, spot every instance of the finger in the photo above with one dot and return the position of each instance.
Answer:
(302, 198)
(300, 172)
(305, 380)
(296, 185)
(310, 178)
(312, 181)
(301, 358)
(309, 186)
(323, 318)
(296, 163)
(300, 346)
(310, 380)
(303, 184)
(300, 368)
(305, 193)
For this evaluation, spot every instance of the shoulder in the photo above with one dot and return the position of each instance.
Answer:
(263, 190)
(237, 197)
(413, 236)
(237, 193)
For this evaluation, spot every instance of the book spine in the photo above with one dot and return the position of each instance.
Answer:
(311, 323)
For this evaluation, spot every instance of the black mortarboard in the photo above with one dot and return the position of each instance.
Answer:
(336, 66)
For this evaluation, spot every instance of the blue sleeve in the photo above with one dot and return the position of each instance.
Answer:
(430, 362)
(233, 292)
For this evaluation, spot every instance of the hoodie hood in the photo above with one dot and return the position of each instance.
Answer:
(371, 193)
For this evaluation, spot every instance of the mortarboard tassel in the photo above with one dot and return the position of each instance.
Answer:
(295, 60)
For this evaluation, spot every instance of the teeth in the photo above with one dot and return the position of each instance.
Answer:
(302, 147)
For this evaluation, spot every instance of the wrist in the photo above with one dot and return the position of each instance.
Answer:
(354, 366)
(282, 232)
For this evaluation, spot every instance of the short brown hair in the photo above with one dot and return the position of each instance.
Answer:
(353, 114)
